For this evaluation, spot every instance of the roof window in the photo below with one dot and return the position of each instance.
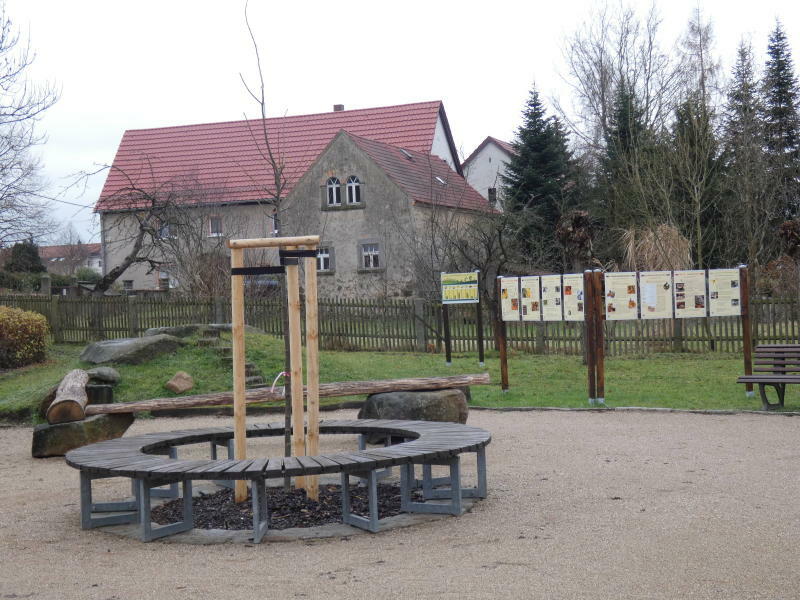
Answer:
(440, 180)
(406, 153)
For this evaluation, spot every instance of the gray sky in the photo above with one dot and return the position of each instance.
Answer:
(135, 64)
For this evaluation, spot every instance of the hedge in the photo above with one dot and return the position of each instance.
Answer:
(23, 337)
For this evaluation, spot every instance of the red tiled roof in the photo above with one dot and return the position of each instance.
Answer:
(48, 252)
(225, 159)
(505, 146)
(417, 175)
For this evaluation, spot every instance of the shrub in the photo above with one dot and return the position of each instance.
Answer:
(88, 274)
(9, 281)
(23, 337)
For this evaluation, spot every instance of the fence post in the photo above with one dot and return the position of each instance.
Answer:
(420, 344)
(538, 345)
(44, 285)
(55, 320)
(677, 335)
(219, 310)
(133, 316)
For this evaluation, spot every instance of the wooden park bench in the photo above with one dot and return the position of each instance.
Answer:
(151, 462)
(775, 365)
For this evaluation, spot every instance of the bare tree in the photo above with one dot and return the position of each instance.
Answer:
(22, 214)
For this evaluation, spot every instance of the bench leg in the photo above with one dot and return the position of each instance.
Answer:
(129, 508)
(362, 445)
(147, 532)
(258, 491)
(171, 490)
(369, 523)
(226, 483)
(780, 390)
(454, 493)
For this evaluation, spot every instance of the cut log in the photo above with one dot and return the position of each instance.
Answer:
(326, 390)
(71, 399)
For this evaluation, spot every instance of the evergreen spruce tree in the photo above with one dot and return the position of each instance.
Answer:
(25, 259)
(538, 180)
(781, 102)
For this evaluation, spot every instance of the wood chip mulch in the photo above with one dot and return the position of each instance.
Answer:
(286, 509)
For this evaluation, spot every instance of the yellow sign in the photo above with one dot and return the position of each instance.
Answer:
(460, 288)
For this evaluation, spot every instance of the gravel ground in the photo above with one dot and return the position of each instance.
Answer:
(581, 505)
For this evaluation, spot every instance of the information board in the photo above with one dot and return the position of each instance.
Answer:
(690, 294)
(509, 298)
(531, 307)
(551, 298)
(460, 288)
(621, 297)
(724, 293)
(572, 288)
(655, 294)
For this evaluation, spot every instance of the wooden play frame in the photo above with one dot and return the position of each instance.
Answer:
(291, 251)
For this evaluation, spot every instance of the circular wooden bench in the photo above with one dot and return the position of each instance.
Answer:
(151, 462)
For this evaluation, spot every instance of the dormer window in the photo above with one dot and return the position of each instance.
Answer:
(333, 186)
(353, 190)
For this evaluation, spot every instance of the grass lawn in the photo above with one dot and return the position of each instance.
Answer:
(689, 381)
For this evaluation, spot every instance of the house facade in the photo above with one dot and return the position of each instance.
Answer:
(65, 259)
(367, 181)
(486, 165)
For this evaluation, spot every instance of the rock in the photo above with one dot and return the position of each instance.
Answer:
(130, 350)
(104, 374)
(57, 440)
(177, 330)
(181, 382)
(435, 405)
(99, 393)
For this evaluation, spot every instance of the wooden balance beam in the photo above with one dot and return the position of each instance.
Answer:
(326, 390)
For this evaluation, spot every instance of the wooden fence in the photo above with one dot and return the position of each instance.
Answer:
(409, 324)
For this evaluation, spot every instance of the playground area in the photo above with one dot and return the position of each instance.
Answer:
(582, 505)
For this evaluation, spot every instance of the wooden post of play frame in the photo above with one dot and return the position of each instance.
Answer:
(599, 337)
(589, 316)
(296, 362)
(312, 372)
(747, 331)
(237, 341)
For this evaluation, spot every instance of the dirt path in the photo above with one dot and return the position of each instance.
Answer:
(603, 505)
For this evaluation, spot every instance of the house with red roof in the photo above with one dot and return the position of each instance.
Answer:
(368, 181)
(65, 259)
(486, 165)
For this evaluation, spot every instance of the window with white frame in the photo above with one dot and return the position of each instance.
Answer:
(127, 285)
(353, 190)
(370, 256)
(215, 226)
(333, 186)
(164, 232)
(273, 225)
(324, 259)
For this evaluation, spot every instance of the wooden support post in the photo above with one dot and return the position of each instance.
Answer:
(747, 330)
(479, 326)
(237, 335)
(501, 342)
(589, 315)
(447, 342)
(312, 371)
(599, 337)
(296, 363)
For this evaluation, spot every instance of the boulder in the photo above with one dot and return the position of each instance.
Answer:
(57, 440)
(176, 330)
(435, 405)
(130, 350)
(181, 382)
(104, 375)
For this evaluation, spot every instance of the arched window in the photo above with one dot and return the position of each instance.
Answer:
(334, 192)
(353, 190)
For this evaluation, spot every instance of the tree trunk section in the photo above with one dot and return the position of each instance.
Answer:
(71, 399)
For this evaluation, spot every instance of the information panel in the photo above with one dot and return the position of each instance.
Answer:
(460, 288)
(572, 286)
(509, 298)
(621, 297)
(724, 293)
(690, 294)
(551, 298)
(655, 292)
(531, 308)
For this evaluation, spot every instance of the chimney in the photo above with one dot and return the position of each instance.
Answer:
(338, 107)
